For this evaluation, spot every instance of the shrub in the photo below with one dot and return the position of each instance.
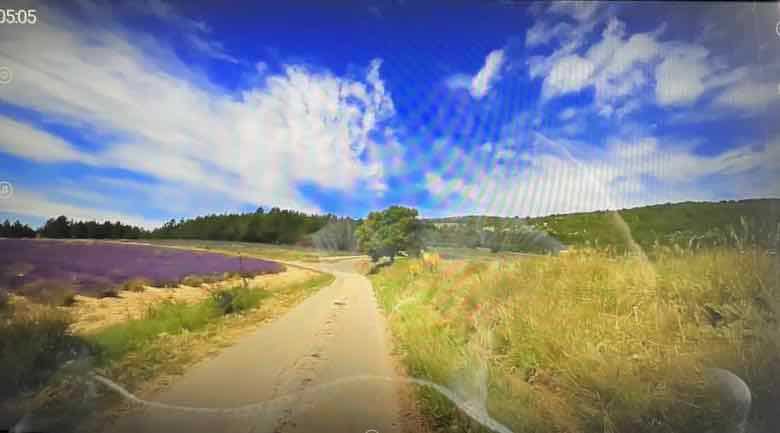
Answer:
(56, 293)
(137, 284)
(194, 280)
(238, 299)
(34, 343)
(5, 300)
(108, 293)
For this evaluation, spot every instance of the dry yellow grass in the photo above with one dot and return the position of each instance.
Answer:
(590, 341)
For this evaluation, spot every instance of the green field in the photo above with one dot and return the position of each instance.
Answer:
(267, 251)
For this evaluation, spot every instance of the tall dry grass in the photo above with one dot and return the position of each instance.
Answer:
(590, 341)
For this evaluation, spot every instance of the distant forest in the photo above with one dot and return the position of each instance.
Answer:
(276, 226)
(685, 224)
(63, 228)
(16, 230)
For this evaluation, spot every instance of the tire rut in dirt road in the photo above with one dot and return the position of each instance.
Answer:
(291, 375)
(305, 370)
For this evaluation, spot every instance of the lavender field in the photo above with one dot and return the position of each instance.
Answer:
(91, 267)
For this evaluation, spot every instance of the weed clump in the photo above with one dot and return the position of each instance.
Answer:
(238, 299)
(5, 300)
(108, 293)
(137, 284)
(55, 293)
(34, 343)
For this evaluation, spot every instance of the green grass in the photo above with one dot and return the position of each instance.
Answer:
(170, 318)
(173, 318)
(590, 341)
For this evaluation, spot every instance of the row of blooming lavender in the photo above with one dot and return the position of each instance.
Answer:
(90, 267)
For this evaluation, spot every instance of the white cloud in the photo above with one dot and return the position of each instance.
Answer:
(486, 76)
(211, 48)
(550, 179)
(479, 85)
(567, 114)
(299, 126)
(635, 149)
(749, 96)
(579, 10)
(542, 33)
(569, 74)
(24, 141)
(620, 62)
(621, 66)
(613, 66)
(680, 78)
(195, 32)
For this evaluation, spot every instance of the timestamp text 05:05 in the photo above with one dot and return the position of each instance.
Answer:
(18, 16)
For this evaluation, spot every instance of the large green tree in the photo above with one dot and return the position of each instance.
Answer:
(387, 232)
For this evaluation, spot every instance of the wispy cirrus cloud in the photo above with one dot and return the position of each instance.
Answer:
(630, 70)
(555, 175)
(164, 120)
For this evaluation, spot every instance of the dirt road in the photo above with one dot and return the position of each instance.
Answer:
(300, 373)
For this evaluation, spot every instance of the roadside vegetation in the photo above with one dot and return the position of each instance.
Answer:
(44, 366)
(140, 349)
(34, 343)
(590, 341)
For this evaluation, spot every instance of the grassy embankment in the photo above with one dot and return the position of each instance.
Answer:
(589, 342)
(35, 342)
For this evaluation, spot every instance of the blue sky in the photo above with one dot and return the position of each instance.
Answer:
(146, 111)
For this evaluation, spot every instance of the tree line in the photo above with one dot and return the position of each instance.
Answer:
(64, 228)
(382, 233)
(276, 226)
(16, 230)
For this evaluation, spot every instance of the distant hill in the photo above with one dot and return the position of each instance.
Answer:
(687, 223)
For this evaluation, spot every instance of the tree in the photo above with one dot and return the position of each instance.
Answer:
(337, 235)
(16, 230)
(57, 228)
(78, 230)
(387, 232)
